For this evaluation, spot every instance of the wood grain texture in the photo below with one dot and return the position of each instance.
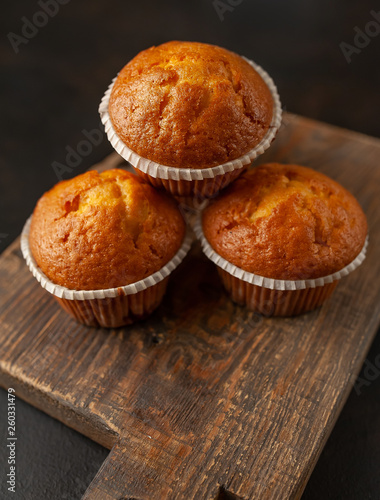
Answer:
(204, 400)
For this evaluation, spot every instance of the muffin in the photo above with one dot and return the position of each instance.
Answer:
(112, 233)
(183, 109)
(287, 233)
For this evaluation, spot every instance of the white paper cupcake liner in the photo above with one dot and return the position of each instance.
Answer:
(270, 283)
(134, 288)
(157, 170)
(116, 311)
(275, 302)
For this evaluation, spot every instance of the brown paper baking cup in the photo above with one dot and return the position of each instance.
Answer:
(190, 193)
(270, 302)
(111, 307)
(188, 182)
(269, 296)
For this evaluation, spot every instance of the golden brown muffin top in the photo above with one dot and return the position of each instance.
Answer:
(104, 230)
(190, 105)
(286, 222)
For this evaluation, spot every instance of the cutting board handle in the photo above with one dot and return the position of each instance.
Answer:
(123, 476)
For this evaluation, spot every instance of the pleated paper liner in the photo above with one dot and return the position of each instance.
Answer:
(270, 302)
(111, 307)
(190, 194)
(189, 184)
(269, 296)
(112, 312)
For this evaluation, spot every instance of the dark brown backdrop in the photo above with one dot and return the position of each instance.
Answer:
(51, 84)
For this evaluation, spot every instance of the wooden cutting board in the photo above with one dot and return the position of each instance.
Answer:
(204, 400)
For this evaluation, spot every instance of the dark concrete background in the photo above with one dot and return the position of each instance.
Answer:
(50, 91)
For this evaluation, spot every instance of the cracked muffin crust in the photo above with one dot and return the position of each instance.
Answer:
(105, 230)
(190, 105)
(286, 222)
